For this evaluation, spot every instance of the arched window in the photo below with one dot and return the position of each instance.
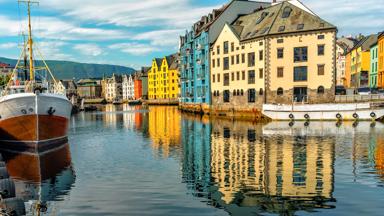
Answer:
(280, 91)
(214, 93)
(217, 93)
(286, 12)
(238, 92)
(234, 92)
(261, 91)
(320, 90)
(242, 92)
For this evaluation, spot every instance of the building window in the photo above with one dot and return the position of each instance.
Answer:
(226, 63)
(226, 79)
(320, 37)
(213, 78)
(232, 47)
(218, 77)
(320, 70)
(261, 73)
(261, 55)
(226, 97)
(280, 40)
(320, 90)
(234, 92)
(300, 74)
(280, 72)
(233, 76)
(225, 47)
(243, 58)
(237, 59)
(320, 50)
(280, 91)
(218, 50)
(300, 54)
(243, 47)
(251, 95)
(300, 26)
(281, 28)
(213, 63)
(251, 77)
(241, 92)
(286, 12)
(261, 91)
(218, 62)
(251, 59)
(232, 60)
(238, 75)
(280, 53)
(243, 75)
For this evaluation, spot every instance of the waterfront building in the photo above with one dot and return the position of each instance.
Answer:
(128, 88)
(373, 66)
(281, 54)
(163, 78)
(70, 87)
(380, 49)
(89, 88)
(347, 83)
(360, 62)
(195, 49)
(343, 46)
(5, 69)
(113, 88)
(143, 77)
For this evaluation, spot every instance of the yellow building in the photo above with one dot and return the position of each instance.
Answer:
(380, 48)
(361, 61)
(281, 54)
(163, 78)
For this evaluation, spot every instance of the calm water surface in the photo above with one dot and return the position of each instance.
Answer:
(128, 161)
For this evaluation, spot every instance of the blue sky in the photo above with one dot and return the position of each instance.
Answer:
(132, 32)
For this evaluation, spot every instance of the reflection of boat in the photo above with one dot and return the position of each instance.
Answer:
(90, 108)
(353, 111)
(134, 102)
(40, 179)
(34, 114)
(117, 101)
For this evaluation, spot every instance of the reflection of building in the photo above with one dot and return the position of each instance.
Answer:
(113, 88)
(164, 128)
(128, 117)
(88, 88)
(128, 88)
(110, 115)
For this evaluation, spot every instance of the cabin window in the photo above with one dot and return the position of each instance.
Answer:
(320, 90)
(280, 91)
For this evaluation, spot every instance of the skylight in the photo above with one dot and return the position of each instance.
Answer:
(281, 28)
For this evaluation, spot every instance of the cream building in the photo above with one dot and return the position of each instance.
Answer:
(281, 54)
(128, 88)
(113, 88)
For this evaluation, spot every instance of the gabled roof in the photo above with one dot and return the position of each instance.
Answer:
(271, 21)
(158, 61)
(366, 42)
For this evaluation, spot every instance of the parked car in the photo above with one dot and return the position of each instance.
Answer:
(340, 90)
(374, 91)
(364, 91)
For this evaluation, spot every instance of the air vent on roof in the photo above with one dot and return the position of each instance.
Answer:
(286, 12)
(281, 28)
(300, 27)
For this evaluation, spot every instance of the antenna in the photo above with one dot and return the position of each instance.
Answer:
(30, 41)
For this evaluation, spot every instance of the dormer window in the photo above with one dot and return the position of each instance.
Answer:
(281, 28)
(264, 30)
(286, 12)
(300, 26)
(263, 15)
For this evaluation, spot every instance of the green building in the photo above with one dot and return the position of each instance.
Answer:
(373, 67)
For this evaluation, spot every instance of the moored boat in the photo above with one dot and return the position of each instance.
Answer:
(34, 112)
(333, 111)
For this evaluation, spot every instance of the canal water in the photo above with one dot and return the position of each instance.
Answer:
(129, 161)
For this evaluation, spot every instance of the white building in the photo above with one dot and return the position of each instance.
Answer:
(113, 88)
(128, 88)
(343, 46)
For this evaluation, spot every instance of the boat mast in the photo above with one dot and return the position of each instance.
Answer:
(30, 41)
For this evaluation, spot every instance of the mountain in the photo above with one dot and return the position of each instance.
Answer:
(70, 70)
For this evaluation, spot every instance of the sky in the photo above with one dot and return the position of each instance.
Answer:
(132, 32)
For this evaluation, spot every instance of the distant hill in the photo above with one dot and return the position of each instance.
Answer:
(70, 70)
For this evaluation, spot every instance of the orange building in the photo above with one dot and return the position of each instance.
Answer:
(380, 48)
(347, 81)
(138, 89)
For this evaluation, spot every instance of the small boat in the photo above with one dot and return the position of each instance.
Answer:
(34, 112)
(134, 102)
(334, 111)
(117, 101)
(90, 108)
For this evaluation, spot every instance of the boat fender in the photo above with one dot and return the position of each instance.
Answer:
(355, 115)
(306, 116)
(24, 111)
(373, 115)
(306, 124)
(291, 124)
(338, 116)
(291, 116)
(51, 111)
(37, 90)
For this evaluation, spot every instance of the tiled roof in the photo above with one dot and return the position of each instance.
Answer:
(366, 42)
(158, 62)
(281, 18)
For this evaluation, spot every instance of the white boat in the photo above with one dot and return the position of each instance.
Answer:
(34, 114)
(334, 111)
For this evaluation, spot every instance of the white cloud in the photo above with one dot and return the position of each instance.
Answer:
(134, 48)
(89, 49)
(52, 50)
(8, 45)
(161, 37)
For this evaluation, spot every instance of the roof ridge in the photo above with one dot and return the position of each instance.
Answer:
(274, 20)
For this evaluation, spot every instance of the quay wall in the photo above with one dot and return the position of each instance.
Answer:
(174, 102)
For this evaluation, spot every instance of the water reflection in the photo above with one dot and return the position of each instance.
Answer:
(40, 181)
